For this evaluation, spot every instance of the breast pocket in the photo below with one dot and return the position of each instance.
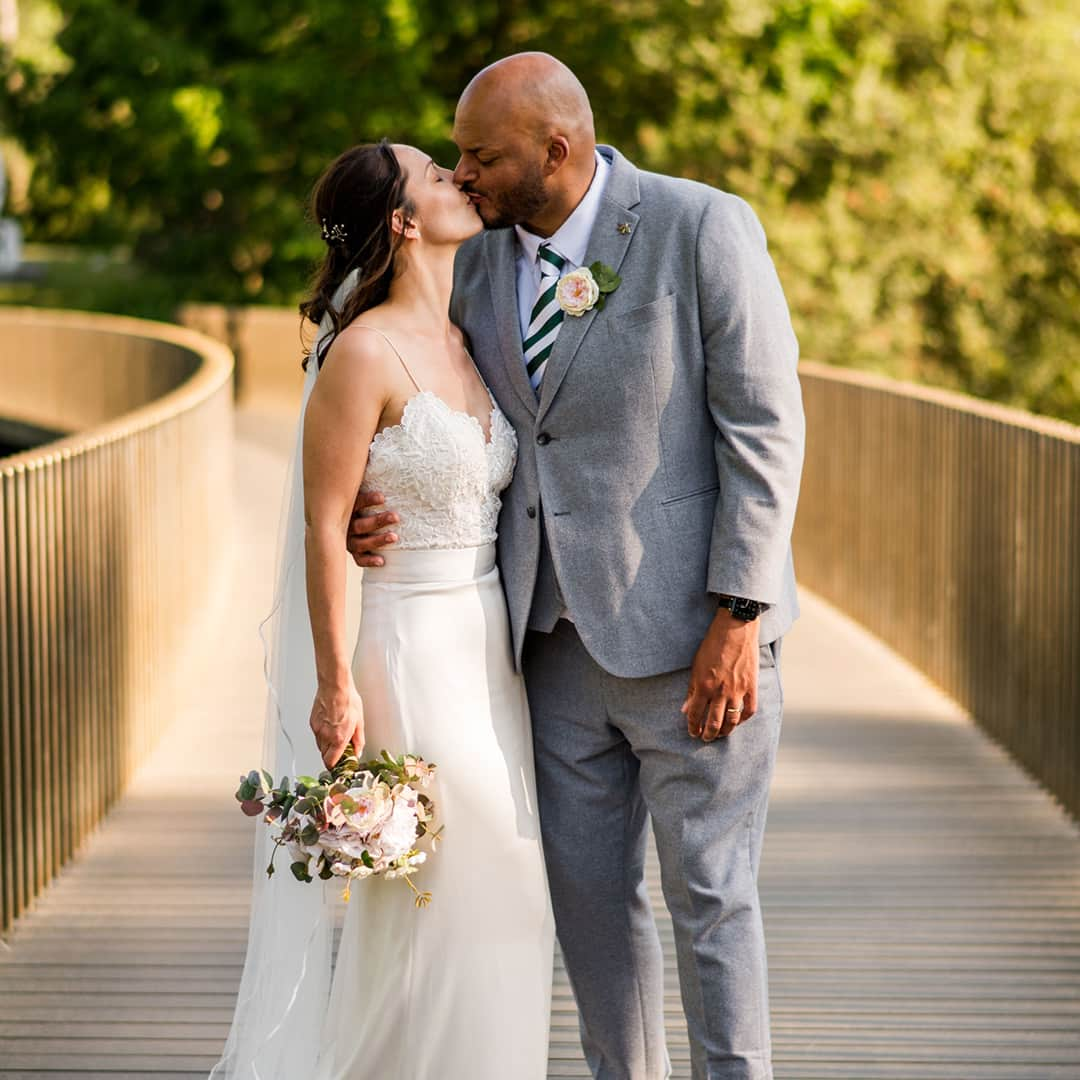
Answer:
(654, 315)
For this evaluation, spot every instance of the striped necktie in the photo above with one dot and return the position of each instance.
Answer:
(546, 316)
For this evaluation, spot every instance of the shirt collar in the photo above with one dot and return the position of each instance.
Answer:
(571, 239)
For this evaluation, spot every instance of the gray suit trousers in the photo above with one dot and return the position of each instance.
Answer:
(611, 753)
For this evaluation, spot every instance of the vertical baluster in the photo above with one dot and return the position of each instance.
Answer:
(9, 833)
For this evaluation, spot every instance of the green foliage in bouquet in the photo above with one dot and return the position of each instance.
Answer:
(308, 809)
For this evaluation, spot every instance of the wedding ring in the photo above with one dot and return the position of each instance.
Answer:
(734, 712)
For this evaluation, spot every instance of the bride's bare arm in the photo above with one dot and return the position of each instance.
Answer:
(342, 415)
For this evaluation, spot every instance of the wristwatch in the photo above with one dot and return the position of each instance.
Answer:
(747, 610)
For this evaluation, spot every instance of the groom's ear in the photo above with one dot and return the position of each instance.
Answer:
(558, 153)
(405, 226)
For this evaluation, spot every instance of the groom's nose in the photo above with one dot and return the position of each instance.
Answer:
(462, 175)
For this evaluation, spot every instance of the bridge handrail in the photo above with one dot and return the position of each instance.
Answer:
(110, 552)
(950, 527)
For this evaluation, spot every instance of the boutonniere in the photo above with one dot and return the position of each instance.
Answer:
(586, 288)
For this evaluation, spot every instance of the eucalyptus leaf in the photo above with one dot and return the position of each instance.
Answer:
(606, 279)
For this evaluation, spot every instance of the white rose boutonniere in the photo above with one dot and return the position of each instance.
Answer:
(577, 291)
(585, 288)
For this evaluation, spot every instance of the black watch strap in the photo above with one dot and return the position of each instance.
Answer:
(741, 608)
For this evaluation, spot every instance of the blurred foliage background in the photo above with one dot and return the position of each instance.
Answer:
(914, 162)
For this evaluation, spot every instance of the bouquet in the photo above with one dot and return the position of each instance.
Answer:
(356, 820)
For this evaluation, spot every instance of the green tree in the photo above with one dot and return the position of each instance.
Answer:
(915, 164)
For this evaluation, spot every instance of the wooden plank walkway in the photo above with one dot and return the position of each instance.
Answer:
(922, 896)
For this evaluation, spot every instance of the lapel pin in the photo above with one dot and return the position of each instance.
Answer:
(624, 228)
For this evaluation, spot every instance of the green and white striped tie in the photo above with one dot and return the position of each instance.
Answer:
(546, 317)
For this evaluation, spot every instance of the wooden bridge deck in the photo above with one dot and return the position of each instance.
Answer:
(921, 895)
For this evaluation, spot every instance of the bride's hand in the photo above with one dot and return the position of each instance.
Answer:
(337, 718)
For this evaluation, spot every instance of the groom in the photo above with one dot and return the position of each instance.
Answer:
(644, 546)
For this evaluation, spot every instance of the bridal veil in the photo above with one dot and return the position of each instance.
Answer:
(285, 986)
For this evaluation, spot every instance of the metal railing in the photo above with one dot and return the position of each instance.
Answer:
(109, 550)
(950, 528)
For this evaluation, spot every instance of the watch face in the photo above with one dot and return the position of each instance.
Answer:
(745, 609)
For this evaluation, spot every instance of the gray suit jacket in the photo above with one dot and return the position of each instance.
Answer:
(661, 463)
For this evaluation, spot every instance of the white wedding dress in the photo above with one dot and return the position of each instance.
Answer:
(461, 989)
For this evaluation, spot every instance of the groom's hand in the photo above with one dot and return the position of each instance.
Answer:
(724, 677)
(364, 539)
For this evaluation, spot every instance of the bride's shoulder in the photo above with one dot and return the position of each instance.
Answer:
(360, 354)
(363, 342)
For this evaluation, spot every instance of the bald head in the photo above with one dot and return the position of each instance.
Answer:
(535, 93)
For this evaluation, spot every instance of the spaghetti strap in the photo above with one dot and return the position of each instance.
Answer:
(472, 360)
(366, 326)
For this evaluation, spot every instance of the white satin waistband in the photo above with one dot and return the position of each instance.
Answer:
(432, 564)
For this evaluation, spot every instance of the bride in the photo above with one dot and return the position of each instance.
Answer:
(461, 989)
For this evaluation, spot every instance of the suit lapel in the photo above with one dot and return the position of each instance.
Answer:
(608, 243)
(500, 255)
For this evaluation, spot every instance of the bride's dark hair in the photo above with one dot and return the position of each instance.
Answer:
(354, 201)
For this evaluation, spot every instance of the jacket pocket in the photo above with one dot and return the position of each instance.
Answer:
(697, 493)
(647, 313)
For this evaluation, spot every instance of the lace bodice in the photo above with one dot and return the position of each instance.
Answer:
(439, 475)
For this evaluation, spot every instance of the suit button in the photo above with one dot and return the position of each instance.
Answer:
(531, 511)
(543, 438)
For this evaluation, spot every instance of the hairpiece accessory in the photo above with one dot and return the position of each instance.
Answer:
(334, 234)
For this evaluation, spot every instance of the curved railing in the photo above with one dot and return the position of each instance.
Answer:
(948, 526)
(110, 547)
(951, 529)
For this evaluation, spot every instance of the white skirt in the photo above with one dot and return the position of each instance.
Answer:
(461, 989)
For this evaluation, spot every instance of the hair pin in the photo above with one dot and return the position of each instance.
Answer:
(333, 234)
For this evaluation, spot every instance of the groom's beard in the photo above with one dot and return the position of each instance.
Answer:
(515, 206)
